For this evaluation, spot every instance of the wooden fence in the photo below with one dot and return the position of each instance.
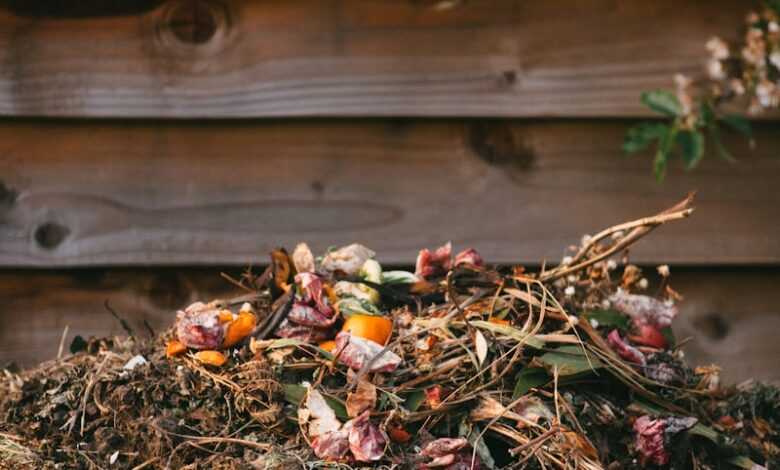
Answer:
(145, 145)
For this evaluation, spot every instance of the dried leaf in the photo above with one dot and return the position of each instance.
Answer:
(481, 346)
(362, 399)
(356, 351)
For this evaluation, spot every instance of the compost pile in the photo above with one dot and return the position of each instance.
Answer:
(334, 361)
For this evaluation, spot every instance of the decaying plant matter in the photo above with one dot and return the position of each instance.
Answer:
(335, 362)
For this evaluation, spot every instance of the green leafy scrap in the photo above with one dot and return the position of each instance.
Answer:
(528, 378)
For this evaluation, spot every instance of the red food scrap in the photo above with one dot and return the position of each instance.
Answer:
(649, 335)
(450, 454)
(432, 264)
(650, 440)
(198, 327)
(469, 256)
(366, 441)
(644, 310)
(625, 350)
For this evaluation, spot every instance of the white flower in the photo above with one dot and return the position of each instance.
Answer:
(764, 92)
(611, 264)
(718, 48)
(605, 304)
(774, 58)
(594, 323)
(737, 87)
(642, 283)
(566, 260)
(715, 69)
(773, 27)
(663, 270)
(569, 291)
(571, 278)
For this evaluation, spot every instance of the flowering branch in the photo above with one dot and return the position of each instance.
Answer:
(750, 77)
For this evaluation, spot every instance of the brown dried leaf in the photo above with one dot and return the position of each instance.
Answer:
(362, 399)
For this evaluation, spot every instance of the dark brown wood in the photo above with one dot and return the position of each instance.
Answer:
(132, 193)
(233, 58)
(733, 315)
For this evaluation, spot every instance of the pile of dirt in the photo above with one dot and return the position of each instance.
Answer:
(335, 362)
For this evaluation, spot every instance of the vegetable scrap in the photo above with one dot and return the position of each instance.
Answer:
(335, 362)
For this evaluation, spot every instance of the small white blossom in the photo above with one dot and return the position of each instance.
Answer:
(605, 304)
(773, 27)
(611, 265)
(642, 283)
(594, 323)
(663, 270)
(566, 260)
(715, 69)
(569, 291)
(765, 93)
(737, 86)
(718, 48)
(774, 58)
(571, 278)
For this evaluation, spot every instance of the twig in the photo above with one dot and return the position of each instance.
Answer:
(122, 321)
(639, 228)
(62, 342)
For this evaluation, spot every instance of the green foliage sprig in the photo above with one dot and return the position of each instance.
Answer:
(693, 115)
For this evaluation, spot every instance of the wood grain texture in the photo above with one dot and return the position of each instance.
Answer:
(353, 57)
(130, 193)
(733, 315)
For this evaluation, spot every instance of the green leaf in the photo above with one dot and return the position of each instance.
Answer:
(506, 330)
(529, 378)
(398, 277)
(662, 154)
(414, 400)
(662, 101)
(723, 152)
(691, 147)
(642, 135)
(611, 318)
(570, 360)
(739, 124)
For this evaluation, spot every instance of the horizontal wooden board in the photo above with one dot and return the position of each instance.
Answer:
(162, 193)
(733, 315)
(233, 58)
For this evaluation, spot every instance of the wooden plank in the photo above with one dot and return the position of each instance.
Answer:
(351, 57)
(733, 315)
(132, 193)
